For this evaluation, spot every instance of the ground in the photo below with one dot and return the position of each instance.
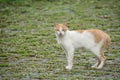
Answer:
(28, 47)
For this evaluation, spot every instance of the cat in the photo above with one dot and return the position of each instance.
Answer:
(93, 39)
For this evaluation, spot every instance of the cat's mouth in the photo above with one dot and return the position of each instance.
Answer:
(60, 34)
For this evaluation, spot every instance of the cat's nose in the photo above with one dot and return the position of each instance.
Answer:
(60, 33)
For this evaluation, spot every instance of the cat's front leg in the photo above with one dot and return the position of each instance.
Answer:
(70, 56)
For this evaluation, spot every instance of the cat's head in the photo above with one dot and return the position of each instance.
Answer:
(60, 29)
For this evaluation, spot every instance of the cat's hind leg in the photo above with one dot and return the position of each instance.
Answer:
(101, 58)
(96, 64)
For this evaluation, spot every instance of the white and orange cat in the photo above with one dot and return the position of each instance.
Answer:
(94, 40)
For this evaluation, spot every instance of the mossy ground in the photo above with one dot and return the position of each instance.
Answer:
(28, 47)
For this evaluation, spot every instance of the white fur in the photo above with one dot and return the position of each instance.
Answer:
(72, 40)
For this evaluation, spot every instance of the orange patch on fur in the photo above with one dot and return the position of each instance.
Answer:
(100, 35)
(81, 31)
(102, 54)
(63, 26)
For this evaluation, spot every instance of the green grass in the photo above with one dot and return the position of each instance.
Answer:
(28, 47)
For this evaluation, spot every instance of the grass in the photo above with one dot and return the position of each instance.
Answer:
(28, 48)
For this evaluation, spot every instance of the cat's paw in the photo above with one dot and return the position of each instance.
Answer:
(99, 67)
(94, 66)
(68, 67)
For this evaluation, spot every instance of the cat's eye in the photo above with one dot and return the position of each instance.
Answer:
(64, 30)
(57, 30)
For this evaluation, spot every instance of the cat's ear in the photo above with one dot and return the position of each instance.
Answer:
(65, 24)
(55, 24)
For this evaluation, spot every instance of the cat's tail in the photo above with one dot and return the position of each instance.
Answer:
(107, 42)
